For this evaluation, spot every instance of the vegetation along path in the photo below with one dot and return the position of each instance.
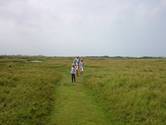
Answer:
(74, 106)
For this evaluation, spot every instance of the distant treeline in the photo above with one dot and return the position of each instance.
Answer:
(123, 57)
(96, 57)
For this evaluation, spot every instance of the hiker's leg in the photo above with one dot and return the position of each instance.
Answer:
(72, 78)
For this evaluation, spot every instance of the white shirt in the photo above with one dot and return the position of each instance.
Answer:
(81, 66)
(73, 70)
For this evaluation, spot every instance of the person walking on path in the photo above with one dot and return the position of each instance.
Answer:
(77, 69)
(76, 62)
(73, 73)
(81, 66)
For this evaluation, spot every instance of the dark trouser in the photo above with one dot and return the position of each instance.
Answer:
(73, 77)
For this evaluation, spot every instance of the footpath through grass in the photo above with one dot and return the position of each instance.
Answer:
(75, 106)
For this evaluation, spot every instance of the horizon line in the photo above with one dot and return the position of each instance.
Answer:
(107, 56)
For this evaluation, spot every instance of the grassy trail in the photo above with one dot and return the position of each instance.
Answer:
(74, 106)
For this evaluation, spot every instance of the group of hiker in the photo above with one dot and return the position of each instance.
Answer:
(77, 68)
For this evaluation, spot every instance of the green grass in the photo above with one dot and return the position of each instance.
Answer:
(110, 92)
(74, 105)
(26, 91)
(131, 91)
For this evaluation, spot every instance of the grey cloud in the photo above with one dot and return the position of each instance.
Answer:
(83, 27)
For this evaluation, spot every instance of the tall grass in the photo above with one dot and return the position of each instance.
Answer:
(26, 91)
(132, 92)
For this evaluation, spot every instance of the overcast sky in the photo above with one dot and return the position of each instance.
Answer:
(83, 27)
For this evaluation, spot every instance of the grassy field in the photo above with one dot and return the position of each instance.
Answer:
(38, 91)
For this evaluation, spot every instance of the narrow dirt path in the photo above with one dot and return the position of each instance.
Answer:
(74, 106)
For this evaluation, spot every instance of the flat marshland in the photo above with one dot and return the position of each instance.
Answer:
(39, 91)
